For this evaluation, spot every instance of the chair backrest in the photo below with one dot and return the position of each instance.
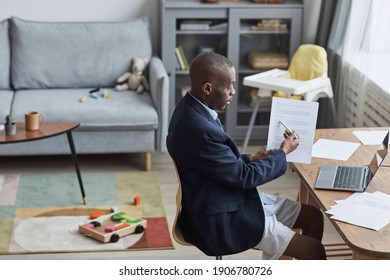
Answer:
(176, 230)
(308, 62)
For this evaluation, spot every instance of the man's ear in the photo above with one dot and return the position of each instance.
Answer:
(206, 88)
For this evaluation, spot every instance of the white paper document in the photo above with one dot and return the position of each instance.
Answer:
(369, 210)
(299, 116)
(334, 149)
(370, 137)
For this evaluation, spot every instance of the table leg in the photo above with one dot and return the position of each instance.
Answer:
(303, 195)
(76, 164)
(360, 256)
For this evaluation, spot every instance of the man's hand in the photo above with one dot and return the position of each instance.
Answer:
(290, 143)
(261, 153)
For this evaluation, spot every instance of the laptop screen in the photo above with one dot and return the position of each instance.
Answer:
(378, 157)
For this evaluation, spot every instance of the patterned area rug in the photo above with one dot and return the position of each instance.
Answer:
(41, 213)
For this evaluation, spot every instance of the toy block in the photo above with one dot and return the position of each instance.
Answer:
(96, 223)
(96, 214)
(109, 228)
(89, 225)
(137, 200)
(119, 226)
(124, 218)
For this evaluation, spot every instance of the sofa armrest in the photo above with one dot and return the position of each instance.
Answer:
(159, 91)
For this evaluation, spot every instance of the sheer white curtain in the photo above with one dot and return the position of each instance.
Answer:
(359, 37)
(379, 29)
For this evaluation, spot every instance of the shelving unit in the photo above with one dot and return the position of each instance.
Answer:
(235, 38)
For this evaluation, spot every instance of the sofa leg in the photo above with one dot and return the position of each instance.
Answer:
(148, 161)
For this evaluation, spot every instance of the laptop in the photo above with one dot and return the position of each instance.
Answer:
(351, 178)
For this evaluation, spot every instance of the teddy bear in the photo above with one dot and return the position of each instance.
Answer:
(134, 80)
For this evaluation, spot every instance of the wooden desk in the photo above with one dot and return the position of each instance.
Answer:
(364, 243)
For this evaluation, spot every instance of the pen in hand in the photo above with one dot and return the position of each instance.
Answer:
(286, 127)
(295, 136)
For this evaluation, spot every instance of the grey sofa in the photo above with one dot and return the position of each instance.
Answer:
(49, 66)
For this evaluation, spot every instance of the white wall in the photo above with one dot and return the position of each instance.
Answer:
(83, 10)
(119, 10)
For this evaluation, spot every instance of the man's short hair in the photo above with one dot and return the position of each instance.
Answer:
(206, 63)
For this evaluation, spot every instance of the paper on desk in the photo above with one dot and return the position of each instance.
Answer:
(334, 149)
(370, 137)
(369, 210)
(301, 117)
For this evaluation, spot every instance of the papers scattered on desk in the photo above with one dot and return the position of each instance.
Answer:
(369, 210)
(370, 137)
(334, 149)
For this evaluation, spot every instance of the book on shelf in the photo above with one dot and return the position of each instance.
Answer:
(184, 57)
(179, 59)
(177, 64)
(195, 24)
(219, 26)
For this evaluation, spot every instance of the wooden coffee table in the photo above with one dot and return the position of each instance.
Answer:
(47, 130)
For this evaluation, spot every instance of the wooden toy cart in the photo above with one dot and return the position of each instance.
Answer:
(111, 227)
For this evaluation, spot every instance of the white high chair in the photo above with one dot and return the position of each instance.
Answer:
(306, 78)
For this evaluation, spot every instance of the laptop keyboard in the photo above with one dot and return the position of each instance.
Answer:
(347, 177)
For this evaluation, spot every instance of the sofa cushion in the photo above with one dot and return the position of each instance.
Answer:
(125, 111)
(5, 55)
(75, 54)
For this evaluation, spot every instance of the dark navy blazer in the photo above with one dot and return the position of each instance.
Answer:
(221, 209)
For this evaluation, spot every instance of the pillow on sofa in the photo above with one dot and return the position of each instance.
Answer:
(5, 55)
(75, 54)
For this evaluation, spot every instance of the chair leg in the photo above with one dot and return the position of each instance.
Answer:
(250, 126)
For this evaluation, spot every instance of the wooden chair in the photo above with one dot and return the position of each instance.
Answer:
(176, 230)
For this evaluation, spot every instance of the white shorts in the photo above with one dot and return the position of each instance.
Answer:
(280, 216)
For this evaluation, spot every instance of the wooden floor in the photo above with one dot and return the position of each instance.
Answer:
(286, 185)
